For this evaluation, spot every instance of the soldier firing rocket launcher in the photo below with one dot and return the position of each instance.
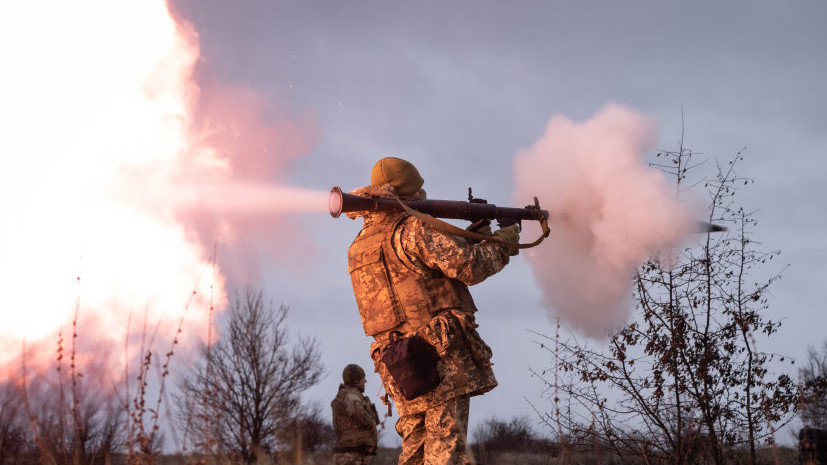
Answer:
(428, 210)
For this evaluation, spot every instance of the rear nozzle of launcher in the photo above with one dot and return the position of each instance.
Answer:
(334, 202)
(338, 202)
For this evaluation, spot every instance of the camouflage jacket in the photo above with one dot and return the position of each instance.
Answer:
(354, 419)
(465, 359)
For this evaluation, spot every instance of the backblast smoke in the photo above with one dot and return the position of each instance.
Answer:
(609, 213)
(119, 177)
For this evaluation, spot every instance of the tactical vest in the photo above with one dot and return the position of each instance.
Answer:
(391, 291)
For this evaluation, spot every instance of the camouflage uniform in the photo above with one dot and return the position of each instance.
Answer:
(411, 279)
(354, 422)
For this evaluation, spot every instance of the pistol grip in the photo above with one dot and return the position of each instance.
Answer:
(508, 221)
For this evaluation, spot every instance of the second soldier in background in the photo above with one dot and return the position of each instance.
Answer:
(354, 420)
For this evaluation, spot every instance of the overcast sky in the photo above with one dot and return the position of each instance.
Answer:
(460, 87)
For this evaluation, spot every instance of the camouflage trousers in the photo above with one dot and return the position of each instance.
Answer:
(350, 458)
(435, 436)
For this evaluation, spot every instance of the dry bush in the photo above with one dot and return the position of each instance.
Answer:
(306, 435)
(494, 439)
(686, 381)
(73, 413)
(813, 376)
(13, 439)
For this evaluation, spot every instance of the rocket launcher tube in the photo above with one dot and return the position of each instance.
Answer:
(340, 202)
(474, 210)
(429, 210)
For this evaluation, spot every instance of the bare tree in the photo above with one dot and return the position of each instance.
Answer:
(247, 386)
(813, 377)
(685, 382)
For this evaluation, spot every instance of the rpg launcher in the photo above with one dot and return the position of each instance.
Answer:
(474, 210)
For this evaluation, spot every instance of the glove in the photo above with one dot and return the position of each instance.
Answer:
(510, 234)
(482, 226)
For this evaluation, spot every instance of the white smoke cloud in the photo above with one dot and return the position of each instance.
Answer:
(609, 213)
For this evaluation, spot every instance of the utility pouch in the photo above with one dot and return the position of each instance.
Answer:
(411, 361)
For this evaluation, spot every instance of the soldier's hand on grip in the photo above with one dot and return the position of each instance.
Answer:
(482, 226)
(510, 234)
